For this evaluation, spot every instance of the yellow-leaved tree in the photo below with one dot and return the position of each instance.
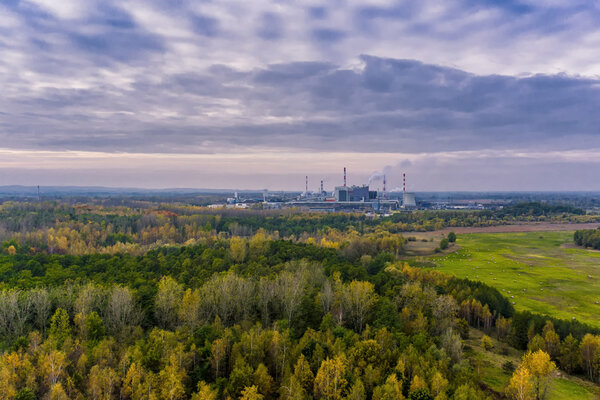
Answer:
(172, 381)
(205, 392)
(237, 249)
(330, 382)
(520, 387)
(251, 393)
(532, 378)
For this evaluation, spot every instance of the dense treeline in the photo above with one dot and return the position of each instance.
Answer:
(588, 238)
(193, 264)
(538, 209)
(61, 228)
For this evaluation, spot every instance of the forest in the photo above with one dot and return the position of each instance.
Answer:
(220, 306)
(55, 227)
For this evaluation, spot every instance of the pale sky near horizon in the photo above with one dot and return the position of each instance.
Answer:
(459, 94)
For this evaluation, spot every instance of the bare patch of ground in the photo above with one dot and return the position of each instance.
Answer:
(574, 246)
(424, 249)
(525, 227)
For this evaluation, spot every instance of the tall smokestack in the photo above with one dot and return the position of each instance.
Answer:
(404, 182)
(344, 176)
(383, 194)
(306, 191)
(321, 186)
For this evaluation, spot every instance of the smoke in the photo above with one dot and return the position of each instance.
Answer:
(375, 177)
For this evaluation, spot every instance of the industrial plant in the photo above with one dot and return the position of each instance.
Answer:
(342, 198)
(353, 198)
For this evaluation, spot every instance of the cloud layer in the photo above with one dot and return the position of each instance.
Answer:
(385, 105)
(344, 77)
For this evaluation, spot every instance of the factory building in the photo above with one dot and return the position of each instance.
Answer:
(354, 193)
(346, 198)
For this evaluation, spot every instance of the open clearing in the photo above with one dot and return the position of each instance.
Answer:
(535, 270)
(514, 228)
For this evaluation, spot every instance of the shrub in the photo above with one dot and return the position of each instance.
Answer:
(420, 394)
(508, 367)
(462, 326)
(444, 244)
(486, 342)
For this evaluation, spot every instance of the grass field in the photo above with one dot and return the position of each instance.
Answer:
(537, 271)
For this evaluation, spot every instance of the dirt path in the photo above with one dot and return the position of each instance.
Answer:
(574, 246)
(532, 227)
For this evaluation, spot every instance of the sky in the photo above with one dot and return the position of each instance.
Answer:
(458, 94)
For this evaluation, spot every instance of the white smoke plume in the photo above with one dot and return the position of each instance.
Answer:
(375, 177)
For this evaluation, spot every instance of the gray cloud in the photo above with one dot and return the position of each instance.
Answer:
(388, 105)
(208, 77)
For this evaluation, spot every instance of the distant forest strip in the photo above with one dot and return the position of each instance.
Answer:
(588, 238)
(62, 228)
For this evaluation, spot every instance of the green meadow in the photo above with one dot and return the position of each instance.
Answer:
(538, 271)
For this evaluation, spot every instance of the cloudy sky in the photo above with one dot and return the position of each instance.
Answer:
(460, 95)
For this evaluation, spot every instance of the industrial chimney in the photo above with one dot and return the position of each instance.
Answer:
(306, 191)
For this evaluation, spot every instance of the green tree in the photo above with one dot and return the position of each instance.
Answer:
(168, 300)
(444, 244)
(466, 392)
(390, 390)
(240, 378)
(303, 374)
(420, 394)
(94, 327)
(358, 298)
(60, 327)
(357, 392)
(551, 340)
(569, 358)
(263, 381)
